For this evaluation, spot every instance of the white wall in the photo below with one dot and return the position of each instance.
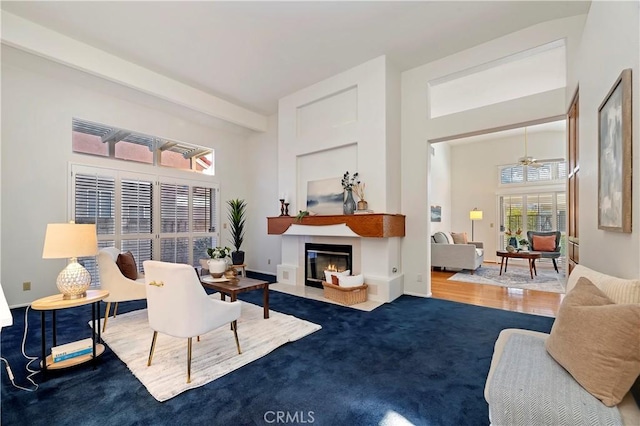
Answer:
(261, 167)
(609, 45)
(474, 180)
(39, 100)
(439, 185)
(417, 128)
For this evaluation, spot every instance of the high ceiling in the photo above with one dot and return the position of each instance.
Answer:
(254, 53)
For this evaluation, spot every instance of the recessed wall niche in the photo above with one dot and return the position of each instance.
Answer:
(330, 163)
(318, 120)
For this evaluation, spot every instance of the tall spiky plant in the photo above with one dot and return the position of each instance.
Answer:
(237, 216)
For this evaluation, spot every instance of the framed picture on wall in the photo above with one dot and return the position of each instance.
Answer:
(325, 197)
(614, 157)
(436, 213)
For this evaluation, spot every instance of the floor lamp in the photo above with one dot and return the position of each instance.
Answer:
(474, 215)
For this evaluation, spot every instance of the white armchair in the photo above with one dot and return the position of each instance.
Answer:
(179, 306)
(121, 288)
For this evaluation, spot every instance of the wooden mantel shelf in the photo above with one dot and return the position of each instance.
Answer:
(373, 225)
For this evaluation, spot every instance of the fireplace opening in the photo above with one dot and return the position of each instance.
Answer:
(325, 257)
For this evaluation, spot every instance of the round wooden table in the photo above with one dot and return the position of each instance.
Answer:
(55, 303)
(531, 256)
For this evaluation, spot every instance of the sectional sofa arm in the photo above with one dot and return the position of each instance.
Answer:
(478, 244)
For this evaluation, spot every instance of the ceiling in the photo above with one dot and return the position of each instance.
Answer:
(254, 53)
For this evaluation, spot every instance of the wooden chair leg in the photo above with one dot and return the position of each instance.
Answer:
(153, 347)
(234, 327)
(189, 360)
(115, 310)
(106, 316)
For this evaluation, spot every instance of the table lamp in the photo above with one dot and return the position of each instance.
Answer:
(71, 240)
(474, 215)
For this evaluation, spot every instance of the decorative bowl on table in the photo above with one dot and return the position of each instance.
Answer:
(511, 249)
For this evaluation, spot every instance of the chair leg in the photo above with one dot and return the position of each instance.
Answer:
(189, 360)
(115, 310)
(153, 347)
(106, 316)
(555, 265)
(234, 327)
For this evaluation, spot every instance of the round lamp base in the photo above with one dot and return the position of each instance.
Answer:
(73, 281)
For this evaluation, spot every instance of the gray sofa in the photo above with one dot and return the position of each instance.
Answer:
(445, 254)
(526, 386)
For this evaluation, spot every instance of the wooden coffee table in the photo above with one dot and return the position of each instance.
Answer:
(529, 255)
(238, 285)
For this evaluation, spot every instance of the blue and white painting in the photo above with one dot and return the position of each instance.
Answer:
(325, 196)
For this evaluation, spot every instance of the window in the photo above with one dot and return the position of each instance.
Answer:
(150, 216)
(532, 212)
(112, 142)
(547, 172)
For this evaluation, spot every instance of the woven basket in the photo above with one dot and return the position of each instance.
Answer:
(345, 295)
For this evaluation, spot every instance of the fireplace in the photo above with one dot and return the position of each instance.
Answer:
(321, 257)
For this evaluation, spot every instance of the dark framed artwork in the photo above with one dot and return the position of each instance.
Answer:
(614, 157)
(436, 213)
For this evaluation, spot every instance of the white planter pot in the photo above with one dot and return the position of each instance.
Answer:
(217, 267)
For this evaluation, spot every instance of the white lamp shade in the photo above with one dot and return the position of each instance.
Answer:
(475, 215)
(66, 240)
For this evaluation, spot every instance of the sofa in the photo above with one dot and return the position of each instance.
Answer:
(453, 251)
(526, 385)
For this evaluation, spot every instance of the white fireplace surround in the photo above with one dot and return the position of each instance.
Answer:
(370, 257)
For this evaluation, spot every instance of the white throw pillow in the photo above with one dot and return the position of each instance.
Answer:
(351, 281)
(327, 274)
(449, 237)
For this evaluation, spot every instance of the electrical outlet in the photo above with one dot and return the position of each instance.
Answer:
(224, 225)
(26, 286)
(419, 278)
(268, 261)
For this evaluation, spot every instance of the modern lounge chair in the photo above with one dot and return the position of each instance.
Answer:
(547, 243)
(179, 306)
(121, 288)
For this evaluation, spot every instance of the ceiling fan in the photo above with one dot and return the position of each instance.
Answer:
(528, 160)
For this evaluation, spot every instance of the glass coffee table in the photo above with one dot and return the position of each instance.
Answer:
(233, 286)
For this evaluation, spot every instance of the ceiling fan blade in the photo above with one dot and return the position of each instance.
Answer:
(535, 164)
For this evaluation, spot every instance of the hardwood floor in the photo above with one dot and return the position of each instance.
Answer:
(511, 299)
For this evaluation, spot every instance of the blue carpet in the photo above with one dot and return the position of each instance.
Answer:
(425, 360)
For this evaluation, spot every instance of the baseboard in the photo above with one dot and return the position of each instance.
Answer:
(411, 293)
(261, 276)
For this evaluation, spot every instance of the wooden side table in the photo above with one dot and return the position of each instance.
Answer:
(55, 303)
(244, 268)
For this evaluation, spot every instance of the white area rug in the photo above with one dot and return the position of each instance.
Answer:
(129, 336)
(516, 277)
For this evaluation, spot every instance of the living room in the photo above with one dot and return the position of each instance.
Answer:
(49, 78)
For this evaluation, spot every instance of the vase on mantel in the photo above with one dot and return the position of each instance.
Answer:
(349, 205)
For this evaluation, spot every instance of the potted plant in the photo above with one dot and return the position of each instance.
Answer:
(348, 183)
(218, 262)
(237, 216)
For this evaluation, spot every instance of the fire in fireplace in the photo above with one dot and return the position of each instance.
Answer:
(325, 257)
